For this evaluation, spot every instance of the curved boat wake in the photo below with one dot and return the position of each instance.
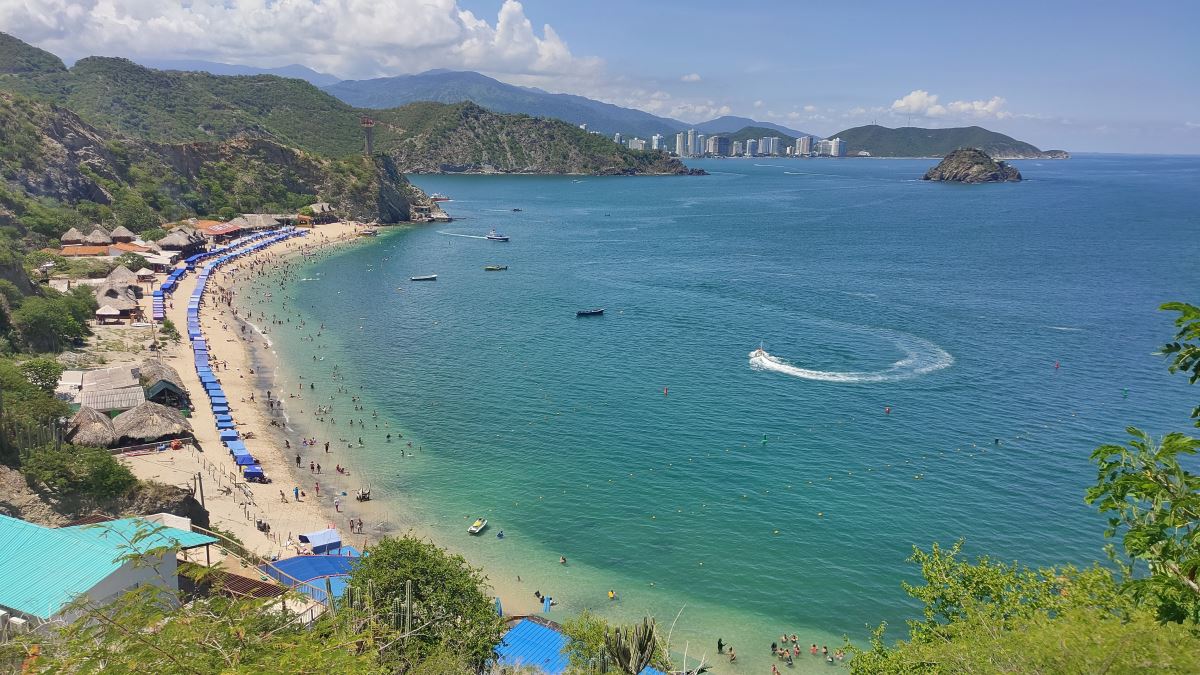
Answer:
(921, 357)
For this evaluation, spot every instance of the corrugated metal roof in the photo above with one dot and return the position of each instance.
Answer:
(42, 568)
(113, 399)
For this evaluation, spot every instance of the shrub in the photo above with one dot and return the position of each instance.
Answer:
(78, 470)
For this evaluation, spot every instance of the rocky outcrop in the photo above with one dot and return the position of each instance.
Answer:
(970, 165)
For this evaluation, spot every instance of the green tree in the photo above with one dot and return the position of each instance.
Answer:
(132, 261)
(450, 609)
(153, 234)
(43, 373)
(169, 331)
(76, 470)
(1185, 348)
(44, 326)
(148, 630)
(132, 211)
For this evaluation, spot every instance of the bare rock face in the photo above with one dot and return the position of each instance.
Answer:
(970, 165)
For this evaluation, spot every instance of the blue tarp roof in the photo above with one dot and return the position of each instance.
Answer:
(244, 460)
(253, 470)
(229, 435)
(236, 446)
(532, 645)
(322, 540)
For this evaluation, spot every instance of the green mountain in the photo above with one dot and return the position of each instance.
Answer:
(758, 133)
(917, 142)
(125, 98)
(57, 172)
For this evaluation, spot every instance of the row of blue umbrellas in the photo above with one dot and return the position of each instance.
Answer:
(226, 427)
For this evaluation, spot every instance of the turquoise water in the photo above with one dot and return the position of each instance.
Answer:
(912, 326)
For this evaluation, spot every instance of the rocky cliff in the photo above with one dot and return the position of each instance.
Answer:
(970, 165)
(49, 152)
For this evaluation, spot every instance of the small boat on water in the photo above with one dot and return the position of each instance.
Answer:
(759, 353)
(495, 236)
(427, 277)
(516, 210)
(368, 232)
(496, 268)
(439, 197)
(590, 312)
(477, 526)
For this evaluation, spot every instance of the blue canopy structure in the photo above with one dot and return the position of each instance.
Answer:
(226, 425)
(236, 446)
(253, 471)
(228, 436)
(322, 540)
(244, 460)
(221, 409)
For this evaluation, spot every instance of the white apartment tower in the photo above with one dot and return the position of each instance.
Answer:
(803, 145)
(680, 139)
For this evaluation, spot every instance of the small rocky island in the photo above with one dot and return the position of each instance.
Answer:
(971, 165)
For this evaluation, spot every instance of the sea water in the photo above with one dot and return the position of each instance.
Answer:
(943, 359)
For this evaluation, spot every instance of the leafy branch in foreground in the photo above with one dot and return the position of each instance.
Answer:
(1185, 349)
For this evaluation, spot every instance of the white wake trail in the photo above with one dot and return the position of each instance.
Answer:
(920, 358)
(455, 234)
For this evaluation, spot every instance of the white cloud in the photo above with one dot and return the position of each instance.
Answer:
(989, 109)
(1192, 125)
(810, 108)
(691, 77)
(921, 102)
(758, 103)
(698, 112)
(351, 38)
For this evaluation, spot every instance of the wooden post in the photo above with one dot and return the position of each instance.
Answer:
(200, 483)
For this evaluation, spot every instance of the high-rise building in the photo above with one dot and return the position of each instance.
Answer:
(837, 148)
(804, 146)
(825, 147)
(637, 144)
(691, 142)
(656, 142)
(737, 148)
(680, 139)
(751, 147)
(769, 145)
(583, 126)
(717, 146)
(701, 141)
(617, 138)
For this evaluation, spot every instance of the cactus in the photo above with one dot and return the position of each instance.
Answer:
(631, 647)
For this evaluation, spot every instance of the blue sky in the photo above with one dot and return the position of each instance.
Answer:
(1084, 76)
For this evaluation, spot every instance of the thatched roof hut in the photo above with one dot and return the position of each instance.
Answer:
(122, 275)
(121, 296)
(163, 384)
(92, 428)
(145, 274)
(71, 236)
(98, 237)
(123, 233)
(150, 421)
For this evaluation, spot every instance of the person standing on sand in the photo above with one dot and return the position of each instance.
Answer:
(317, 488)
(296, 494)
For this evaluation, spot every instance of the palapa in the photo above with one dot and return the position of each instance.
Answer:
(98, 237)
(121, 274)
(71, 236)
(92, 428)
(152, 371)
(144, 274)
(108, 310)
(123, 233)
(151, 421)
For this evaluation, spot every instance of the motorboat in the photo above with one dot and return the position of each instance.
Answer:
(516, 210)
(477, 526)
(495, 236)
(496, 268)
(439, 197)
(590, 312)
(427, 277)
(759, 353)
(368, 232)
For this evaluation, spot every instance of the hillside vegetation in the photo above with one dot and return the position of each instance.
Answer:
(918, 142)
(122, 97)
(58, 172)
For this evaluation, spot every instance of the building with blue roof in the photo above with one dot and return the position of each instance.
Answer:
(43, 569)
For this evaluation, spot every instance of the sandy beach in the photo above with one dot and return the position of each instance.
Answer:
(279, 425)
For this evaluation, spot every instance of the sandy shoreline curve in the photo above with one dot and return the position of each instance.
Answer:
(252, 366)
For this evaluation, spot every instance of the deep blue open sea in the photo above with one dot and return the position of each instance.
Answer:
(912, 394)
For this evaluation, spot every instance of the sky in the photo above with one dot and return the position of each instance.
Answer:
(1081, 76)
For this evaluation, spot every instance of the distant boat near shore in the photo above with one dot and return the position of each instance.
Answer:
(427, 277)
(368, 232)
(439, 197)
(477, 526)
(495, 236)
(590, 312)
(496, 268)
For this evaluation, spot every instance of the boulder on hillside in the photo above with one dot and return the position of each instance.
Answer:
(971, 165)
